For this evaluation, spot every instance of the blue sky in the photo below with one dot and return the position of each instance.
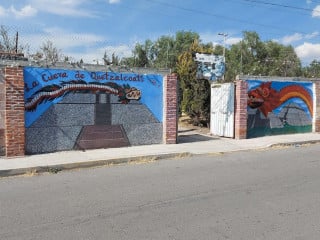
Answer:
(87, 28)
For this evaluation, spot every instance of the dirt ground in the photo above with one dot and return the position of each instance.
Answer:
(185, 124)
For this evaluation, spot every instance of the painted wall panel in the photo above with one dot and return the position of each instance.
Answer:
(60, 103)
(279, 107)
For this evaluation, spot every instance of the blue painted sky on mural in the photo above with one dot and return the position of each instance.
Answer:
(36, 79)
(87, 28)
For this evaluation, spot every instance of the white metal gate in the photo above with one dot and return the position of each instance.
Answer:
(222, 110)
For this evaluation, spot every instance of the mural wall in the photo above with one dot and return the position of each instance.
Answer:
(278, 107)
(66, 109)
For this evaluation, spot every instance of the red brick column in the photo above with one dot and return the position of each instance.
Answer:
(241, 109)
(170, 116)
(14, 114)
(2, 112)
(316, 108)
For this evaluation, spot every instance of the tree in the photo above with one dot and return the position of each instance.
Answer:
(141, 54)
(6, 44)
(10, 44)
(195, 99)
(251, 56)
(115, 59)
(289, 64)
(106, 59)
(186, 70)
(162, 52)
(49, 53)
(251, 51)
(313, 70)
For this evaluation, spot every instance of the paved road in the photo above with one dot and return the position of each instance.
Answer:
(270, 194)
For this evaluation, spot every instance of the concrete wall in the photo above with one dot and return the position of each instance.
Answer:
(293, 107)
(58, 126)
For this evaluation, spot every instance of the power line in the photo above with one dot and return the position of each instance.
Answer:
(223, 16)
(274, 7)
(282, 5)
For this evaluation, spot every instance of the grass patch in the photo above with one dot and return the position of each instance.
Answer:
(143, 160)
(31, 173)
(53, 170)
(183, 155)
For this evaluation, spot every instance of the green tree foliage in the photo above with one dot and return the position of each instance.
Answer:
(115, 60)
(251, 56)
(106, 59)
(141, 55)
(163, 52)
(195, 93)
(313, 70)
(186, 70)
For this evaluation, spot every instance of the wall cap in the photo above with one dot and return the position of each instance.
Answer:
(274, 78)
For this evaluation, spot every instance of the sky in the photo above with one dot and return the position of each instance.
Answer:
(85, 29)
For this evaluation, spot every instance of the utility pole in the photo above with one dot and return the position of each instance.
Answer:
(224, 49)
(224, 42)
(17, 39)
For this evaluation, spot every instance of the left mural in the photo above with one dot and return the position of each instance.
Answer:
(61, 104)
(279, 107)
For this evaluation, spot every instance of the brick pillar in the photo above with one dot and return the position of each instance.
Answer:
(241, 109)
(2, 113)
(316, 108)
(170, 116)
(14, 114)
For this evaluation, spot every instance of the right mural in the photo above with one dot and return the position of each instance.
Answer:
(278, 107)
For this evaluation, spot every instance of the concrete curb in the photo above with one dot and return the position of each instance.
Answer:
(88, 164)
(294, 143)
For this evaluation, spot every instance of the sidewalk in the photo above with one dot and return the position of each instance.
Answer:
(190, 142)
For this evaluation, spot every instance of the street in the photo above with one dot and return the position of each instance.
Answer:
(265, 194)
